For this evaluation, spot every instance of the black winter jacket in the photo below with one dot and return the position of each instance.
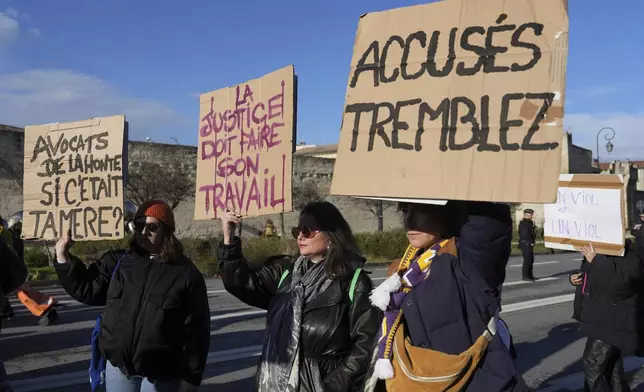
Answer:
(610, 305)
(527, 234)
(156, 322)
(337, 334)
(450, 310)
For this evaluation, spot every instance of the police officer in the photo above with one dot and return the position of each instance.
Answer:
(527, 238)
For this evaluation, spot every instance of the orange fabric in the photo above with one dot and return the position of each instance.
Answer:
(162, 212)
(35, 301)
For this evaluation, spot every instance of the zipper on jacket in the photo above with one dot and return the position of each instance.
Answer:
(139, 313)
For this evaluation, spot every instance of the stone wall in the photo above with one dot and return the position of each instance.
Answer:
(317, 171)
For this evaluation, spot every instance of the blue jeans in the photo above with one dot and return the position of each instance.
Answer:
(115, 381)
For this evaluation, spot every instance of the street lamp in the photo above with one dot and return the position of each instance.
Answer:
(610, 135)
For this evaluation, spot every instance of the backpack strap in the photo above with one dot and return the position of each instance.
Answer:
(352, 288)
(118, 263)
(354, 282)
(284, 275)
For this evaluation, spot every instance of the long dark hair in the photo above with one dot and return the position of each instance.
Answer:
(326, 217)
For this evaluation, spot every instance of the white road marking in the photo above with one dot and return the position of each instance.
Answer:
(537, 263)
(537, 303)
(519, 282)
(81, 377)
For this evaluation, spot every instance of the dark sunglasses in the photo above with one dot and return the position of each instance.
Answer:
(150, 227)
(305, 231)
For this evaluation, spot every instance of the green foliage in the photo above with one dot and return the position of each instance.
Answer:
(42, 273)
(36, 257)
(376, 247)
(387, 245)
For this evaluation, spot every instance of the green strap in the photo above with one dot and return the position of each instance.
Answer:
(352, 288)
(354, 282)
(284, 275)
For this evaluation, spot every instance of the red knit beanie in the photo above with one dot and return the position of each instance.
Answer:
(157, 209)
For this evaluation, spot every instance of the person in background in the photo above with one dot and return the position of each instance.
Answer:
(155, 331)
(269, 231)
(13, 273)
(527, 239)
(443, 300)
(609, 305)
(320, 326)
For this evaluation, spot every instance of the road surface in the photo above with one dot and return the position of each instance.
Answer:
(55, 358)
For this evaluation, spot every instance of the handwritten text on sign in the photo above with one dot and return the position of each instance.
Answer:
(245, 148)
(452, 90)
(74, 179)
(589, 215)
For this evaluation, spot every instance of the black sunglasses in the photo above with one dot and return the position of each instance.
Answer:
(305, 231)
(150, 227)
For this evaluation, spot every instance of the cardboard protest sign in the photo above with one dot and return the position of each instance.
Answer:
(457, 99)
(245, 150)
(74, 179)
(589, 208)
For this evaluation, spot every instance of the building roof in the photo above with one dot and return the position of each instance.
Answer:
(9, 128)
(318, 150)
(636, 164)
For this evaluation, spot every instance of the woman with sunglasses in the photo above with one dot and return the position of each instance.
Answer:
(320, 324)
(155, 329)
(441, 303)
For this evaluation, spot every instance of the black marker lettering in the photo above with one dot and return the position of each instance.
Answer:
(401, 125)
(547, 102)
(50, 195)
(383, 60)
(467, 118)
(364, 66)
(431, 55)
(378, 127)
(101, 222)
(421, 37)
(441, 110)
(484, 132)
(358, 109)
(492, 50)
(506, 124)
(461, 68)
(517, 43)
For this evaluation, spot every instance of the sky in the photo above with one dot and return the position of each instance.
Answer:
(69, 60)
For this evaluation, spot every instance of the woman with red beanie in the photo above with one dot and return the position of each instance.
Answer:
(155, 330)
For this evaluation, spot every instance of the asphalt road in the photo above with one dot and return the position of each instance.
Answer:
(55, 358)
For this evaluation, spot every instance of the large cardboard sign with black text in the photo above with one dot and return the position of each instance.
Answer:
(457, 99)
(73, 179)
(589, 209)
(245, 150)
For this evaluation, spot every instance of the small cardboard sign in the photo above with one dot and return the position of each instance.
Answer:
(457, 99)
(73, 179)
(589, 209)
(245, 150)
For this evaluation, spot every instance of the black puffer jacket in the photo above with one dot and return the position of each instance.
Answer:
(610, 304)
(337, 334)
(156, 323)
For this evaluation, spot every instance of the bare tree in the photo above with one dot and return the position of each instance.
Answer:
(172, 181)
(14, 169)
(376, 207)
(305, 193)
